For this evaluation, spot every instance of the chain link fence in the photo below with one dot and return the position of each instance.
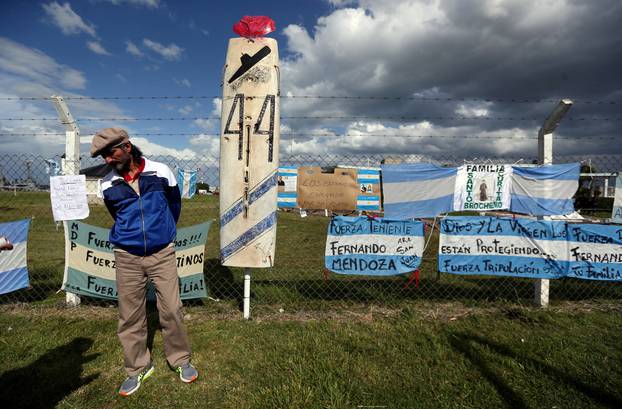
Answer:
(298, 278)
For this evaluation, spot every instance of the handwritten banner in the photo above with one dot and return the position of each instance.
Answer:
(333, 191)
(90, 263)
(530, 248)
(68, 196)
(360, 245)
(482, 187)
(503, 247)
(595, 251)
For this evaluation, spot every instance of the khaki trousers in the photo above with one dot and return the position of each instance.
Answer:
(132, 274)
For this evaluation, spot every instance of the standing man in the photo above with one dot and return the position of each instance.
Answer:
(143, 198)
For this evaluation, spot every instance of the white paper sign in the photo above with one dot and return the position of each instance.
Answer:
(616, 215)
(68, 195)
(482, 187)
(290, 183)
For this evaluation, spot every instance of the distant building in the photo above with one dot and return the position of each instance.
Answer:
(94, 175)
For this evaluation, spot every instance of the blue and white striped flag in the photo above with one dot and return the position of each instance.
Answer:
(287, 178)
(13, 263)
(417, 190)
(369, 182)
(187, 183)
(544, 190)
(51, 167)
(595, 251)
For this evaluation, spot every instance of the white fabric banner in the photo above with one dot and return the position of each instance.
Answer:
(482, 187)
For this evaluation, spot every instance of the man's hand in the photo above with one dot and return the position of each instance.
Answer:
(5, 244)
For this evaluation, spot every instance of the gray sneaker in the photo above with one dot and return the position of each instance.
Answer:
(187, 373)
(132, 383)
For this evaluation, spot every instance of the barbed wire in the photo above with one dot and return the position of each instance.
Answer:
(359, 117)
(312, 134)
(329, 97)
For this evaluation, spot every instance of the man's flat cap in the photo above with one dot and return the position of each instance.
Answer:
(107, 138)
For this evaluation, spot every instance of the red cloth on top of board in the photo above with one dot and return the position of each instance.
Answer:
(254, 26)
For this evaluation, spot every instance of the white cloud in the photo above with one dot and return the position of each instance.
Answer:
(67, 19)
(426, 138)
(443, 59)
(97, 48)
(185, 110)
(28, 72)
(15, 58)
(120, 77)
(171, 52)
(184, 82)
(341, 3)
(473, 110)
(131, 48)
(153, 4)
(153, 149)
(211, 125)
(208, 145)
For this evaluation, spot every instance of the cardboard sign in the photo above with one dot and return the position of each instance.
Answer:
(333, 191)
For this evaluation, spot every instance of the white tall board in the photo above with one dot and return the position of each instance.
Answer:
(249, 153)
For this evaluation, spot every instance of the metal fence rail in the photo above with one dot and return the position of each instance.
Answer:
(298, 277)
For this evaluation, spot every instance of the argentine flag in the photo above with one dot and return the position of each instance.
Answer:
(13, 263)
(187, 182)
(544, 190)
(417, 190)
(287, 179)
(370, 199)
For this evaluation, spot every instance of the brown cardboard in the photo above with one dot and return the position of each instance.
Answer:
(332, 191)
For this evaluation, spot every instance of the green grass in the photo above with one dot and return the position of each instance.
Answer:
(419, 356)
(345, 342)
(297, 280)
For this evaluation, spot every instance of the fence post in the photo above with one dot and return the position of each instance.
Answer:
(247, 294)
(70, 165)
(545, 157)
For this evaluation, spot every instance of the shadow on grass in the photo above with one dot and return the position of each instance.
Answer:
(49, 379)
(463, 343)
(221, 283)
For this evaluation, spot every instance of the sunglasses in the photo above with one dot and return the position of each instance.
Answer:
(108, 151)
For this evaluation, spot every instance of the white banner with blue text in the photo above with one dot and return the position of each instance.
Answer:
(373, 246)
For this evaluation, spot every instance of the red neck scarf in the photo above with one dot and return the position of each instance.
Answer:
(141, 167)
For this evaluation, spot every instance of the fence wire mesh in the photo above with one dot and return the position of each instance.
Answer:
(298, 277)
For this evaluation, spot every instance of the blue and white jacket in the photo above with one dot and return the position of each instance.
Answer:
(143, 224)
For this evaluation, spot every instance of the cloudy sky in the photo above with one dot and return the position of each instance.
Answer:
(440, 77)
